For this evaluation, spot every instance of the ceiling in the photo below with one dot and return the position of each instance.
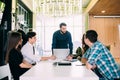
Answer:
(111, 7)
(85, 3)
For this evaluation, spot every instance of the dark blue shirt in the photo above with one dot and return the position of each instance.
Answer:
(62, 41)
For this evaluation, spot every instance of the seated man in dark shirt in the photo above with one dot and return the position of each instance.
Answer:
(62, 40)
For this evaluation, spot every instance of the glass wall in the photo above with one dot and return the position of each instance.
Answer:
(2, 6)
(24, 17)
(46, 26)
(50, 13)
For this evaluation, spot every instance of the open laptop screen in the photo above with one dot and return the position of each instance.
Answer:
(61, 53)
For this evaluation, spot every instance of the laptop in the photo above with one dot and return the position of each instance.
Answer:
(61, 53)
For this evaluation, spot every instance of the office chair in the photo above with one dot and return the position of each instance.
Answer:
(5, 72)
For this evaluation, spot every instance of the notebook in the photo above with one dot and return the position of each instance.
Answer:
(61, 53)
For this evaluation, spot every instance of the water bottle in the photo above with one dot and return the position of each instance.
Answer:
(41, 52)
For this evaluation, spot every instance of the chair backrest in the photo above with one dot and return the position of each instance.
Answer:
(5, 72)
(79, 52)
(108, 47)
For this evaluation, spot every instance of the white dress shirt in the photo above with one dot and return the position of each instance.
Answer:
(27, 52)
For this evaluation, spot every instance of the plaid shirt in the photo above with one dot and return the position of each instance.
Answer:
(100, 56)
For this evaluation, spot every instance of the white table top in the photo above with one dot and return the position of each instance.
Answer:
(45, 70)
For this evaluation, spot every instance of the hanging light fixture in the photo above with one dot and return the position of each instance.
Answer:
(58, 7)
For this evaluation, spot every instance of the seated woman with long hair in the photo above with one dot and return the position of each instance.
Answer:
(14, 57)
(84, 49)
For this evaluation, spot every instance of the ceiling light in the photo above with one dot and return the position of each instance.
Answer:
(103, 11)
(106, 16)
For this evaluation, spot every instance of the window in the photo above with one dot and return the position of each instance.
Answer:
(46, 26)
(50, 13)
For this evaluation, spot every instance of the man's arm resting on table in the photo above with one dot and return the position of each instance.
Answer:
(84, 60)
(46, 58)
(89, 66)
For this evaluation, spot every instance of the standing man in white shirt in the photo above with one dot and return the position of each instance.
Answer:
(29, 52)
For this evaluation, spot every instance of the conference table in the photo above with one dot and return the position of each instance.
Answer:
(46, 70)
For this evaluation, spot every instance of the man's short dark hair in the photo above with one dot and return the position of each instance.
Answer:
(92, 35)
(62, 24)
(31, 34)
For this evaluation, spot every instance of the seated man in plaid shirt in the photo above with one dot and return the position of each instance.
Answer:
(99, 58)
